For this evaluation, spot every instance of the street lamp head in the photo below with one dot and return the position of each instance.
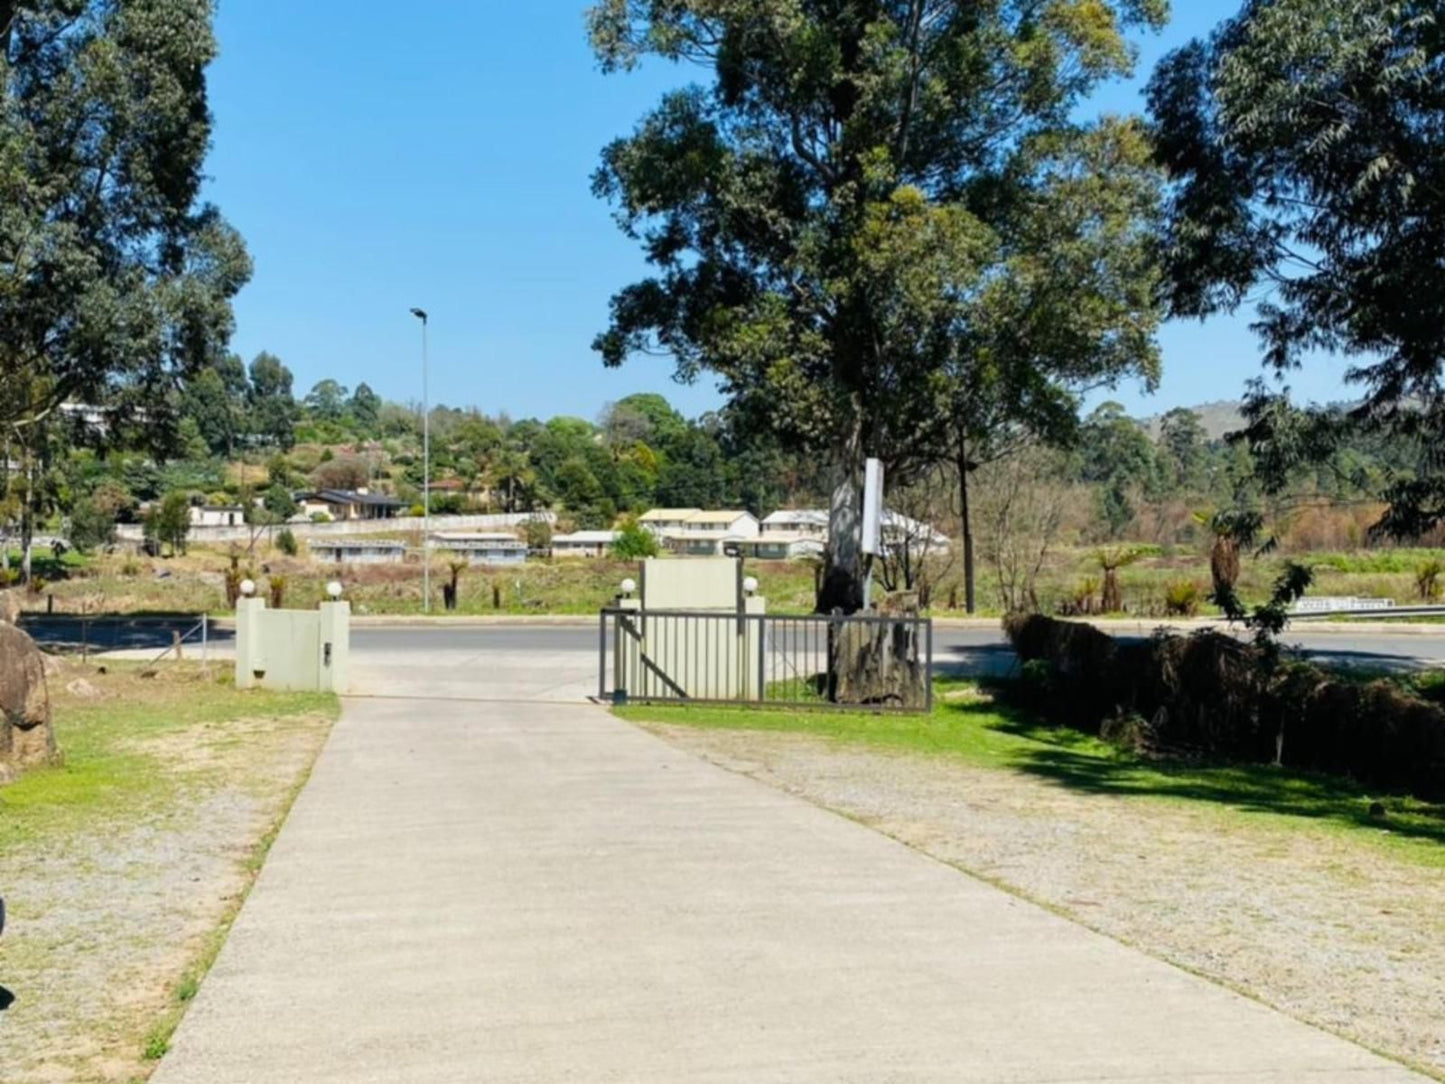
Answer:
(248, 587)
(420, 314)
(334, 589)
(629, 585)
(750, 585)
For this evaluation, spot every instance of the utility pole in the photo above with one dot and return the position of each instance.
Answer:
(420, 314)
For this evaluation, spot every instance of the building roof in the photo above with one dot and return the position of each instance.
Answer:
(692, 534)
(656, 514)
(718, 517)
(483, 544)
(778, 538)
(355, 544)
(813, 516)
(348, 496)
(448, 537)
(586, 538)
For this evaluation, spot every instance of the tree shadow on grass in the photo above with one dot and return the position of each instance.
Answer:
(1079, 761)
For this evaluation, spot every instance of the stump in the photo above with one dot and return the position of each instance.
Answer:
(881, 662)
(27, 739)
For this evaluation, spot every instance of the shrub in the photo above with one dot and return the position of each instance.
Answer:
(634, 542)
(1212, 694)
(1182, 598)
(1427, 580)
(130, 567)
(278, 591)
(286, 542)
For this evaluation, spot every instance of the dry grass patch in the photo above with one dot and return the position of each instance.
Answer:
(124, 867)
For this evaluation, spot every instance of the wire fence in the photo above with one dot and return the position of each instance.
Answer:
(155, 638)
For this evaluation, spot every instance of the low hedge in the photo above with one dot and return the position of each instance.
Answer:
(1211, 694)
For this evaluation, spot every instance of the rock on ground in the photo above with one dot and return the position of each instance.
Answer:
(27, 739)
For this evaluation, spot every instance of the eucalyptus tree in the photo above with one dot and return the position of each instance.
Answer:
(115, 278)
(1306, 140)
(870, 206)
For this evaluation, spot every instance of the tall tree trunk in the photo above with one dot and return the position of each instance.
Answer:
(844, 569)
(7, 24)
(965, 468)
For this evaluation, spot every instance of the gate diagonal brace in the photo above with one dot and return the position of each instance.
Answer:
(625, 623)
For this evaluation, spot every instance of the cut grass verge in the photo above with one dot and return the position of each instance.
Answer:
(142, 847)
(971, 725)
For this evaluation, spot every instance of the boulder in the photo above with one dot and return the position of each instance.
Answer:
(27, 739)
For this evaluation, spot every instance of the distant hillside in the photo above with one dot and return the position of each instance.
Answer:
(1220, 417)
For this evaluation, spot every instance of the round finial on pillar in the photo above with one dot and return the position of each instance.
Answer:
(248, 587)
(750, 585)
(333, 589)
(629, 585)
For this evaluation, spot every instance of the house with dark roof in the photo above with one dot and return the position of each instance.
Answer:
(348, 504)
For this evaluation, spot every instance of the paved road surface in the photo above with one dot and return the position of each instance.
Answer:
(538, 892)
(971, 651)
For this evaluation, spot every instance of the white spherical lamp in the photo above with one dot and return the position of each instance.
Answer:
(750, 585)
(333, 589)
(248, 587)
(629, 585)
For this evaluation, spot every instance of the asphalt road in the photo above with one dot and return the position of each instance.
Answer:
(963, 650)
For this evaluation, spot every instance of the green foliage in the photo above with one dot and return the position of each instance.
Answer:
(169, 522)
(1308, 142)
(286, 542)
(869, 215)
(91, 526)
(1182, 598)
(1427, 579)
(634, 542)
(537, 533)
(116, 280)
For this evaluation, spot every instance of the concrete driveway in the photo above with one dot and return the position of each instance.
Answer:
(533, 891)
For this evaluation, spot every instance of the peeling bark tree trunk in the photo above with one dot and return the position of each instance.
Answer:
(842, 588)
(881, 662)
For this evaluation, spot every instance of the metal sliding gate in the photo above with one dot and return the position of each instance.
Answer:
(719, 657)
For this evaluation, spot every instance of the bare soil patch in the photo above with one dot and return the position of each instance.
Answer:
(122, 869)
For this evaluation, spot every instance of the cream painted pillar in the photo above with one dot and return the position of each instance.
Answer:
(333, 664)
(250, 648)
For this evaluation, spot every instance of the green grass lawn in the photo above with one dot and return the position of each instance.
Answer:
(108, 776)
(970, 725)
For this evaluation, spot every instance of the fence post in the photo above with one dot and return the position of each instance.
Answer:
(602, 655)
(205, 639)
(928, 666)
(762, 649)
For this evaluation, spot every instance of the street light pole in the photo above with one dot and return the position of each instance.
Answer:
(420, 314)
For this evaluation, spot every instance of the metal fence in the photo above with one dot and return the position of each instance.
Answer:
(806, 661)
(150, 637)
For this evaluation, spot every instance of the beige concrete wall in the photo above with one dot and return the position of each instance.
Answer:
(708, 583)
(297, 650)
(705, 654)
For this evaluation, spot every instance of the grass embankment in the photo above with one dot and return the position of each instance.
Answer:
(195, 582)
(126, 865)
(971, 726)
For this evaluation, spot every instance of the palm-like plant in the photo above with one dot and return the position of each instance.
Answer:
(1234, 530)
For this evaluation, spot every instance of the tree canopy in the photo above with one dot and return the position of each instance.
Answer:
(1306, 142)
(866, 200)
(115, 278)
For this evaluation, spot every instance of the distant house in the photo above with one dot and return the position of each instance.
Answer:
(217, 515)
(583, 543)
(482, 548)
(695, 533)
(812, 523)
(666, 519)
(348, 504)
(359, 551)
(802, 522)
(777, 546)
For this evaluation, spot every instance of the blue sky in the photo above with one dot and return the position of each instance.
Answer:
(377, 157)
